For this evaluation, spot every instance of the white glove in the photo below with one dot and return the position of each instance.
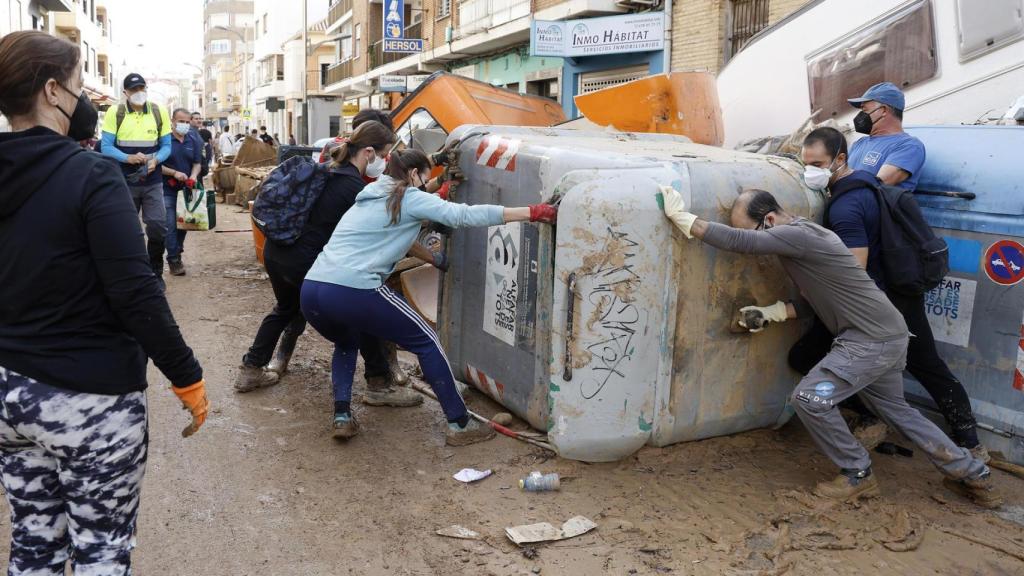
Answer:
(675, 209)
(777, 312)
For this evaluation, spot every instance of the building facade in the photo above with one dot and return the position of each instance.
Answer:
(706, 33)
(490, 40)
(227, 53)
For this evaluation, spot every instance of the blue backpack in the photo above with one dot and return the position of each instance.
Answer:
(286, 198)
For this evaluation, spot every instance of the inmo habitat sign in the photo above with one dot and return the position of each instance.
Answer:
(596, 36)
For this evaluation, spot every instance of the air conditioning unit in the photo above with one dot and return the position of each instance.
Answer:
(645, 4)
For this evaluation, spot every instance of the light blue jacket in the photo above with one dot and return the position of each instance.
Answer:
(365, 246)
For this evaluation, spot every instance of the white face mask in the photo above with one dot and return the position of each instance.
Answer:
(376, 168)
(182, 127)
(138, 98)
(818, 178)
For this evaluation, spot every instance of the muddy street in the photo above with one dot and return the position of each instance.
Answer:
(264, 490)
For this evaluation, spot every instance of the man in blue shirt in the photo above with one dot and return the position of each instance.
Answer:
(179, 172)
(853, 214)
(887, 152)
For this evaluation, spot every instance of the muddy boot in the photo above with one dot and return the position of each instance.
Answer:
(251, 378)
(978, 490)
(177, 267)
(981, 453)
(870, 432)
(381, 392)
(472, 433)
(345, 426)
(849, 486)
(286, 347)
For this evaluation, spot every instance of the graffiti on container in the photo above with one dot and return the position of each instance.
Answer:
(616, 317)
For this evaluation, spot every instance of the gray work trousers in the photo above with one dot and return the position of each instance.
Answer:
(149, 199)
(874, 371)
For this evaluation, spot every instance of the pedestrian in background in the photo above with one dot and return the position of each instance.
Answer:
(81, 312)
(137, 134)
(226, 143)
(180, 173)
(291, 140)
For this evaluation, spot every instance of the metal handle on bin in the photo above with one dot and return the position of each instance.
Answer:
(569, 332)
(961, 195)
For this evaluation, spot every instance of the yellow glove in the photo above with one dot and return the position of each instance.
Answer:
(755, 317)
(194, 400)
(675, 209)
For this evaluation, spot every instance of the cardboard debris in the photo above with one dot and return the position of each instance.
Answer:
(545, 532)
(456, 531)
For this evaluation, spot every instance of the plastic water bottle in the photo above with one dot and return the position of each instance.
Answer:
(537, 482)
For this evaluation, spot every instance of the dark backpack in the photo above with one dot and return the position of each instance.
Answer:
(286, 198)
(914, 260)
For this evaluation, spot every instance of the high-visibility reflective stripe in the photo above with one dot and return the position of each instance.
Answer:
(137, 143)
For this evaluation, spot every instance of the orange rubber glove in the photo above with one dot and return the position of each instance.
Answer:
(194, 399)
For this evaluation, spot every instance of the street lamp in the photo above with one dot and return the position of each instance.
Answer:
(245, 62)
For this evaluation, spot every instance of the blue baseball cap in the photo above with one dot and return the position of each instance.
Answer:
(884, 93)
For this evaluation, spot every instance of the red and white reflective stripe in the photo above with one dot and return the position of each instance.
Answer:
(485, 383)
(1018, 375)
(497, 152)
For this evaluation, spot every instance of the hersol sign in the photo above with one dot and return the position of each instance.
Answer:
(596, 36)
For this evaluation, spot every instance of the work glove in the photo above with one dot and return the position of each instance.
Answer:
(547, 213)
(194, 400)
(440, 261)
(754, 318)
(444, 155)
(672, 202)
(451, 173)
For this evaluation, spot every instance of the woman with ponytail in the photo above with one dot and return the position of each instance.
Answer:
(362, 155)
(344, 292)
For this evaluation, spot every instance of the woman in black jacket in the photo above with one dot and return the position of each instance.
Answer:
(361, 156)
(80, 312)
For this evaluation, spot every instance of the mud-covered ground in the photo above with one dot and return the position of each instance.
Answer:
(264, 490)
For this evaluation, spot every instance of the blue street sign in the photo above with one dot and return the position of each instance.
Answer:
(394, 19)
(403, 45)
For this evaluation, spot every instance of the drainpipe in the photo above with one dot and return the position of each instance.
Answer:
(667, 54)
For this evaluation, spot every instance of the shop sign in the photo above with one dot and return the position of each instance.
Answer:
(394, 19)
(392, 83)
(598, 36)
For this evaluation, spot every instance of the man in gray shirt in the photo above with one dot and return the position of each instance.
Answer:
(868, 354)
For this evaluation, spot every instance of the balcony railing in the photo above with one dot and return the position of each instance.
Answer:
(480, 15)
(337, 10)
(339, 72)
(379, 58)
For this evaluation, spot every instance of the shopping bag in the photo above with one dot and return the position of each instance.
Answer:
(192, 210)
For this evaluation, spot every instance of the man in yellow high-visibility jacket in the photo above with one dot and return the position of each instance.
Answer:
(137, 134)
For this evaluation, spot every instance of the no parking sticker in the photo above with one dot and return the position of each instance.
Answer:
(1004, 262)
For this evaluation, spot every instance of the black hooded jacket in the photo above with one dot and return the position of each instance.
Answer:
(80, 308)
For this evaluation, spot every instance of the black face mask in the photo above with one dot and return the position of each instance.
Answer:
(83, 119)
(863, 123)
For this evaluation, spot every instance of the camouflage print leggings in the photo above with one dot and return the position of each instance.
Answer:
(72, 465)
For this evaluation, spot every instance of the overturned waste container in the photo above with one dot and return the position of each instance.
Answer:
(610, 330)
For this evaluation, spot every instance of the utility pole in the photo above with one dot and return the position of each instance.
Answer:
(308, 126)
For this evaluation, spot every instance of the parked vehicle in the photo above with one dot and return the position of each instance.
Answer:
(959, 62)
